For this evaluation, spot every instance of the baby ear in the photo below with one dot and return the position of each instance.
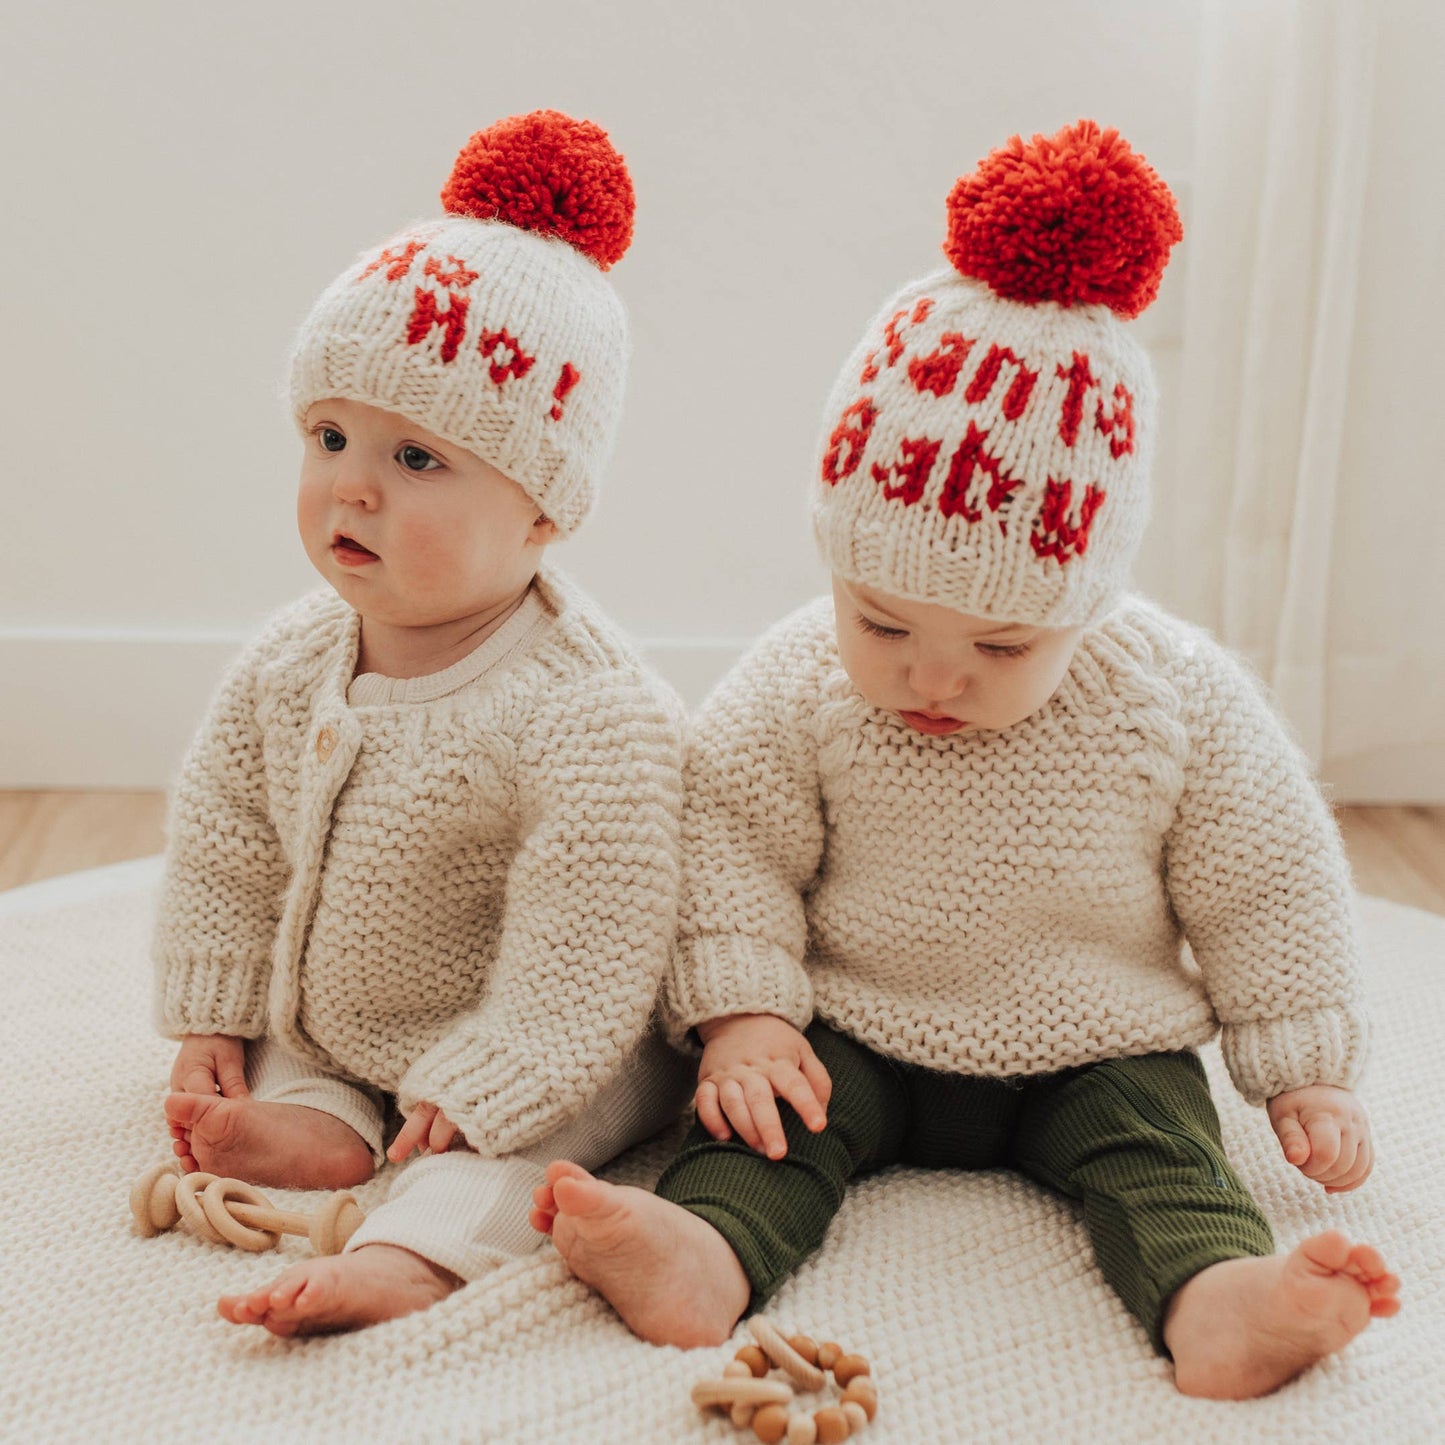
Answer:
(544, 530)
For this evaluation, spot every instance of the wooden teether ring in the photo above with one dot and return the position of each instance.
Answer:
(229, 1211)
(153, 1198)
(217, 1200)
(334, 1223)
(192, 1211)
(753, 1399)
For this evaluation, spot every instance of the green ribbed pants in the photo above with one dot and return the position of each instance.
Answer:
(1136, 1140)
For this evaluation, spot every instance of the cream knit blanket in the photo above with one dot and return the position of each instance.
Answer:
(974, 1296)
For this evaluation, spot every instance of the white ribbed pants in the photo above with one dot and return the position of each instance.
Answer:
(460, 1210)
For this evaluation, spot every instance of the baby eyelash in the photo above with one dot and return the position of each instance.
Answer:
(998, 649)
(876, 629)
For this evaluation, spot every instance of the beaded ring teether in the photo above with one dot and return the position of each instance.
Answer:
(754, 1400)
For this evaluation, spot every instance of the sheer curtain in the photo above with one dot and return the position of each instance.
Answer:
(1294, 452)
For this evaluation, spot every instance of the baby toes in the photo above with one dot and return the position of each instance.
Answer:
(1365, 1263)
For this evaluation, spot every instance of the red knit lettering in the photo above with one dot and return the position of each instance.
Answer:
(892, 334)
(1080, 379)
(848, 438)
(494, 345)
(459, 277)
(891, 338)
(915, 461)
(426, 315)
(1121, 420)
(971, 457)
(565, 382)
(398, 263)
(1020, 389)
(938, 373)
(1053, 534)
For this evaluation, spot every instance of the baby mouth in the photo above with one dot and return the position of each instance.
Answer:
(349, 547)
(934, 723)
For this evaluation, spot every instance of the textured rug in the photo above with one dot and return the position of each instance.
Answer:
(974, 1296)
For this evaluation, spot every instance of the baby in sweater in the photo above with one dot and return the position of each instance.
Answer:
(946, 831)
(424, 849)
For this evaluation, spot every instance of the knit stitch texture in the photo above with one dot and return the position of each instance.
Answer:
(467, 899)
(974, 1295)
(1014, 902)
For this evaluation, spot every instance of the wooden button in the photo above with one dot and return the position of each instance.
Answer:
(325, 743)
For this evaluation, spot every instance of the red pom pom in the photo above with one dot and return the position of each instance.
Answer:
(1076, 218)
(549, 173)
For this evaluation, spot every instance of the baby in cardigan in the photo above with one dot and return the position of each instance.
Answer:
(945, 832)
(425, 846)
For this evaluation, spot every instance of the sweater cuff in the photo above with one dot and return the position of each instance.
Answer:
(715, 975)
(210, 996)
(1326, 1046)
(499, 1101)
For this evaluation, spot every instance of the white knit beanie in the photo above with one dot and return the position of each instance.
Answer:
(987, 446)
(494, 327)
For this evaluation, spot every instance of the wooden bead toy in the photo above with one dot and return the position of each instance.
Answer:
(785, 1357)
(845, 1367)
(230, 1211)
(752, 1399)
(770, 1423)
(740, 1392)
(802, 1430)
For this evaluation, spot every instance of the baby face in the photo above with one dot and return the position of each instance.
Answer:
(411, 530)
(943, 671)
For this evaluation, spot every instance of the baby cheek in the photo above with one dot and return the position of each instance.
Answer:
(1043, 683)
(880, 679)
(311, 511)
(429, 546)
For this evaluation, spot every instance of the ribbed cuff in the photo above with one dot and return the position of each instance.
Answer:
(466, 1214)
(716, 975)
(1326, 1046)
(209, 996)
(500, 1101)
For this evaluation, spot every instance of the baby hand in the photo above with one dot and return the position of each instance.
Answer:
(211, 1064)
(749, 1059)
(1325, 1134)
(426, 1127)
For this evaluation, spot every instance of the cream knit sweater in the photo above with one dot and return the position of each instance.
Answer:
(1014, 902)
(461, 888)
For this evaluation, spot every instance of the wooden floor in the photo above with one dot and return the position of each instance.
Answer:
(1396, 852)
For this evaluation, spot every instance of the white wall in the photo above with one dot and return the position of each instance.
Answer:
(1387, 606)
(182, 179)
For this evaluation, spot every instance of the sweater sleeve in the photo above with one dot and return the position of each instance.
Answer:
(590, 915)
(225, 876)
(752, 840)
(1258, 878)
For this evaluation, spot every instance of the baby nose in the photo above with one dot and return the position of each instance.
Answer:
(938, 679)
(354, 483)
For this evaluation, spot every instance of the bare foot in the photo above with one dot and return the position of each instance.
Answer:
(670, 1275)
(286, 1145)
(342, 1292)
(1243, 1327)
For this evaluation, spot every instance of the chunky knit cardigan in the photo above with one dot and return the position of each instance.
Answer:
(462, 889)
(1014, 902)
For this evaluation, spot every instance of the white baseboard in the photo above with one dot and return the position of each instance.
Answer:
(90, 708)
(87, 708)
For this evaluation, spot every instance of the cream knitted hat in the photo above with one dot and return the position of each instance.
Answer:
(493, 327)
(987, 445)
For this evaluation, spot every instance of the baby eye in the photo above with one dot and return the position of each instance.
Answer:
(999, 649)
(877, 629)
(331, 439)
(416, 459)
